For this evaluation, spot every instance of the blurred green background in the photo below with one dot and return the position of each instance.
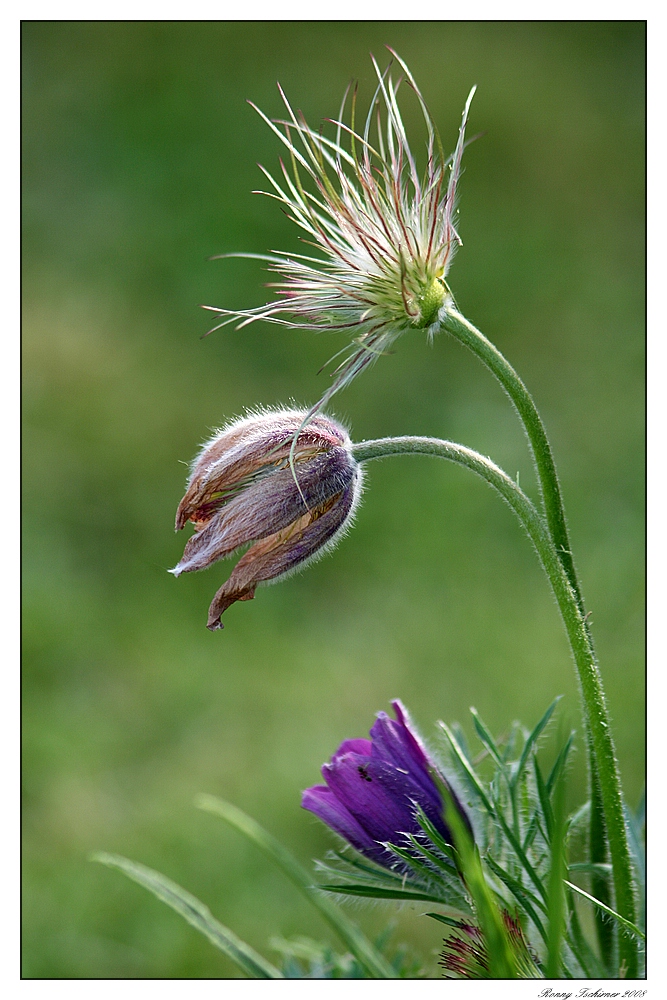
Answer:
(139, 159)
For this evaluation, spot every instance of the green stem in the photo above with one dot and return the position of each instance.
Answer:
(464, 331)
(597, 849)
(575, 625)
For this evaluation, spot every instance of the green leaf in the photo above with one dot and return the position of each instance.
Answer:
(556, 901)
(375, 892)
(435, 836)
(531, 832)
(448, 888)
(487, 739)
(627, 924)
(599, 868)
(559, 764)
(333, 873)
(515, 730)
(418, 865)
(454, 892)
(502, 959)
(543, 794)
(467, 767)
(635, 824)
(461, 740)
(373, 871)
(639, 814)
(589, 962)
(532, 738)
(374, 963)
(196, 914)
(443, 866)
(450, 921)
(521, 855)
(577, 817)
(524, 896)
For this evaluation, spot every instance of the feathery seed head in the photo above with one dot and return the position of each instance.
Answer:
(385, 234)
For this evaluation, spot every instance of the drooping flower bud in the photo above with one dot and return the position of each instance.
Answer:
(243, 488)
(374, 788)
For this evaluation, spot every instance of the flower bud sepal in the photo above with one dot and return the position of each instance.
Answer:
(287, 484)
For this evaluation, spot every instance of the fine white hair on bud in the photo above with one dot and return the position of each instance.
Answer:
(270, 479)
(385, 233)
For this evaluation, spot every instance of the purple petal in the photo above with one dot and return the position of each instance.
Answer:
(401, 788)
(321, 801)
(369, 795)
(397, 739)
(359, 746)
(395, 743)
(411, 737)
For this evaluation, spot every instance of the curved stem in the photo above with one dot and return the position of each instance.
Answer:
(464, 331)
(575, 626)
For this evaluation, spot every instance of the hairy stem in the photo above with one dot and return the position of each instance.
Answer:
(577, 632)
(466, 333)
(597, 849)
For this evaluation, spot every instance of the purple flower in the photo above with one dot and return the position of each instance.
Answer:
(373, 788)
(243, 489)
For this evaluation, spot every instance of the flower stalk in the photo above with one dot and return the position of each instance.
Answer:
(464, 331)
(550, 492)
(595, 707)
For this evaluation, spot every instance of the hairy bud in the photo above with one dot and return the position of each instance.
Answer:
(243, 488)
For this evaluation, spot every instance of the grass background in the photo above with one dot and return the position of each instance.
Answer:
(139, 156)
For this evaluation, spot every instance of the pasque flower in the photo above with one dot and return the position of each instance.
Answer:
(268, 479)
(374, 788)
(385, 232)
